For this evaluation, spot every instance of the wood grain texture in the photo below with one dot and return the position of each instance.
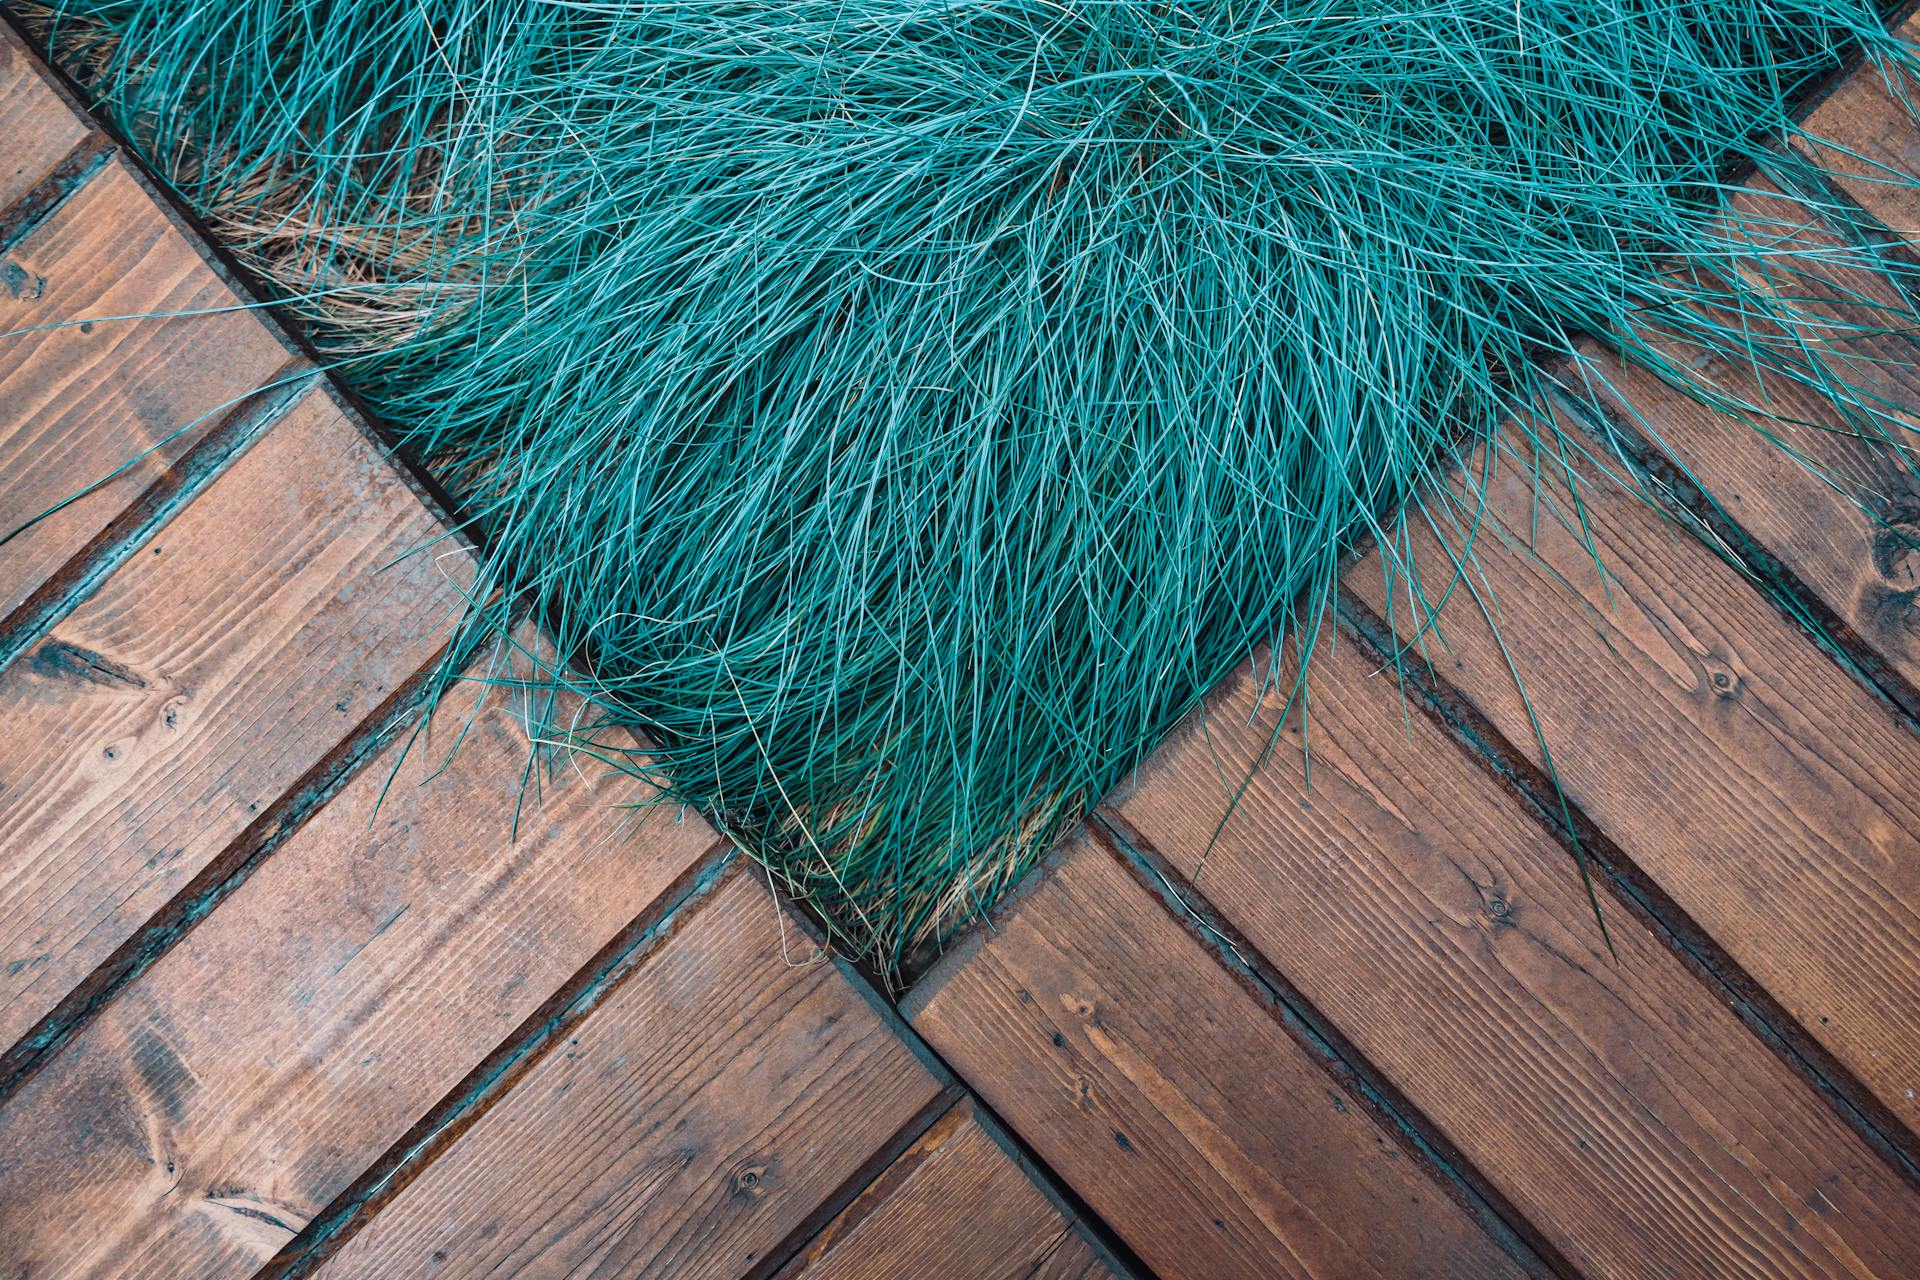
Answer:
(1618, 1105)
(1075, 1259)
(716, 1099)
(38, 128)
(955, 1206)
(1839, 512)
(1178, 1107)
(217, 1104)
(80, 401)
(1870, 144)
(1768, 793)
(201, 682)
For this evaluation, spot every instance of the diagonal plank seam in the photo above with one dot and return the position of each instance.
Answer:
(871, 1171)
(1416, 1135)
(277, 822)
(25, 216)
(896, 1009)
(226, 438)
(880, 997)
(536, 1036)
(1637, 892)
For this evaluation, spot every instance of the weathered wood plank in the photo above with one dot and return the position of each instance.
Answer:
(1075, 1259)
(1767, 793)
(1873, 144)
(717, 1098)
(1152, 1082)
(220, 1101)
(38, 127)
(1618, 1105)
(79, 401)
(1841, 515)
(198, 685)
(954, 1206)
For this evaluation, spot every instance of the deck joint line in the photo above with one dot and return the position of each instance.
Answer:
(1349, 1069)
(30, 212)
(1632, 889)
(227, 437)
(277, 823)
(510, 1060)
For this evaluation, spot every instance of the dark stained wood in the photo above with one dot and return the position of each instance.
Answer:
(1177, 1106)
(201, 682)
(83, 400)
(220, 1101)
(954, 1206)
(38, 127)
(1846, 531)
(1619, 1106)
(1767, 793)
(702, 1113)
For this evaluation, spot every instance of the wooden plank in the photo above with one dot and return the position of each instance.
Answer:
(1075, 1259)
(39, 128)
(198, 685)
(1618, 1105)
(80, 401)
(699, 1116)
(954, 1206)
(1870, 144)
(1152, 1082)
(216, 1105)
(1766, 792)
(1846, 531)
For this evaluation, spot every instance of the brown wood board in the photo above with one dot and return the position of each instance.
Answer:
(701, 1114)
(1173, 1102)
(202, 681)
(218, 1103)
(954, 1206)
(1618, 1104)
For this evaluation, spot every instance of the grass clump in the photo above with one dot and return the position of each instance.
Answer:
(910, 409)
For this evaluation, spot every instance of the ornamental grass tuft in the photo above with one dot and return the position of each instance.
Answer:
(907, 409)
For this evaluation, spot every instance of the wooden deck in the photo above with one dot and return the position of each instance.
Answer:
(268, 1008)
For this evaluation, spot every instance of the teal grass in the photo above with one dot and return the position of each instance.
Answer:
(905, 411)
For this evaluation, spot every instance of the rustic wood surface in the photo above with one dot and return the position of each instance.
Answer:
(39, 129)
(1838, 511)
(88, 397)
(1174, 1103)
(1872, 142)
(1075, 1259)
(720, 1094)
(954, 1206)
(252, 1023)
(201, 682)
(220, 1102)
(1617, 1103)
(1734, 762)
